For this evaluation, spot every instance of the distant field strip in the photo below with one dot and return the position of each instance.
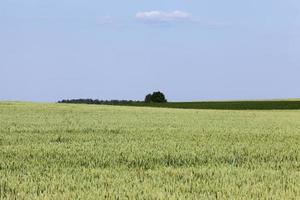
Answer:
(228, 105)
(216, 105)
(67, 151)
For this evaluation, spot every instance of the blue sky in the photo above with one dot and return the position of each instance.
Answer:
(191, 50)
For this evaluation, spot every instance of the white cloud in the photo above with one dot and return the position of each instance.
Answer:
(162, 16)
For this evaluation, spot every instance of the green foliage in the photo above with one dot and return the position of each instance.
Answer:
(97, 101)
(155, 97)
(148, 98)
(65, 151)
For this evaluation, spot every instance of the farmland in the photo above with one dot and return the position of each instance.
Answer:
(66, 151)
(228, 105)
(293, 104)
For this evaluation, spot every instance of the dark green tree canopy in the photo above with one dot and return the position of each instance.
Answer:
(148, 98)
(156, 97)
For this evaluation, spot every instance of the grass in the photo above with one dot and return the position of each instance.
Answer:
(58, 151)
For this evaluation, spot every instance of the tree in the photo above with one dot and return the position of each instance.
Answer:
(148, 98)
(156, 97)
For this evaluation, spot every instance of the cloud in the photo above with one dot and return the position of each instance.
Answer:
(162, 16)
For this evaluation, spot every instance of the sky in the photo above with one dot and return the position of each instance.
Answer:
(191, 50)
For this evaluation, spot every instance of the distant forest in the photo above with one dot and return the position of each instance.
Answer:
(155, 97)
(96, 101)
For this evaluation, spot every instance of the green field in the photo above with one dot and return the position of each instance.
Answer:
(292, 104)
(60, 151)
(227, 105)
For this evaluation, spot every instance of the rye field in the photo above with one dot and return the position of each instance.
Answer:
(65, 151)
(228, 105)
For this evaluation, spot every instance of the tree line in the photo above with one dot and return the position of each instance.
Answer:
(97, 101)
(155, 97)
